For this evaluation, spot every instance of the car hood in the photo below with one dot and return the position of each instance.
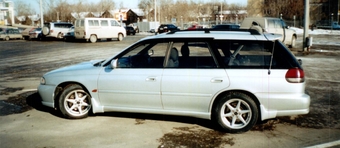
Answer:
(89, 67)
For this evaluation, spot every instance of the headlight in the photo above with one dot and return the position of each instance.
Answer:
(42, 81)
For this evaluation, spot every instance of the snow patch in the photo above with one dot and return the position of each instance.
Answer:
(317, 31)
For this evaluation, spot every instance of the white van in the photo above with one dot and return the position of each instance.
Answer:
(98, 28)
(272, 25)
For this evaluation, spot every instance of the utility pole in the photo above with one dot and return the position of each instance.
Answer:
(221, 16)
(155, 11)
(41, 15)
(306, 39)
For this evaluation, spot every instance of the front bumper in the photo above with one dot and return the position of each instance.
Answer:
(47, 95)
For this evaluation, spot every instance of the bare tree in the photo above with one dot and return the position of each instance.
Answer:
(23, 9)
(106, 5)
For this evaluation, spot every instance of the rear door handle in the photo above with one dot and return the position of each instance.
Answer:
(216, 81)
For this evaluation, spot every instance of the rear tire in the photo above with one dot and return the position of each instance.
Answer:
(293, 43)
(93, 38)
(7, 38)
(236, 112)
(60, 36)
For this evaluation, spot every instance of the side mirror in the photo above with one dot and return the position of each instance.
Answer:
(114, 63)
(300, 61)
(150, 52)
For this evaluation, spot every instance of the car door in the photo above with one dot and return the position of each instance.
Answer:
(190, 86)
(115, 27)
(105, 31)
(249, 62)
(136, 81)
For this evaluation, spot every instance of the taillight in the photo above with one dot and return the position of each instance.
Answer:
(84, 33)
(295, 75)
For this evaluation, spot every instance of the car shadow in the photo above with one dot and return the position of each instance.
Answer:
(160, 117)
(34, 100)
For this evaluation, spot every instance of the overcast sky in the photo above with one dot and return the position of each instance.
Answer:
(127, 3)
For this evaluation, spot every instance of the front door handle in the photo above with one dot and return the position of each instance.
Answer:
(150, 79)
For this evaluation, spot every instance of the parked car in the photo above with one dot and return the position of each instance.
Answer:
(166, 28)
(135, 27)
(328, 25)
(10, 33)
(35, 34)
(130, 30)
(25, 33)
(272, 25)
(93, 29)
(226, 26)
(234, 78)
(195, 27)
(69, 36)
(55, 29)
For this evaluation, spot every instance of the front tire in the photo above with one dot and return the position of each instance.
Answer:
(293, 42)
(120, 37)
(74, 102)
(236, 112)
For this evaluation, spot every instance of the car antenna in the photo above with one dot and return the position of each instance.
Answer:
(271, 59)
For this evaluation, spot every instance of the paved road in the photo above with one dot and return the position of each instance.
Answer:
(22, 64)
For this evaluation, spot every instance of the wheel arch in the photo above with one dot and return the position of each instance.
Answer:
(121, 34)
(59, 89)
(219, 96)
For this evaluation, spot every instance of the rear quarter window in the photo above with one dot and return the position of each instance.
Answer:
(255, 55)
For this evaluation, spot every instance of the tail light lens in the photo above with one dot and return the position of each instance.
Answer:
(295, 75)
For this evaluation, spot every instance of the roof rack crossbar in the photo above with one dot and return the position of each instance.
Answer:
(251, 31)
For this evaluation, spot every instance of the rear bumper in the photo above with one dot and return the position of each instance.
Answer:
(284, 105)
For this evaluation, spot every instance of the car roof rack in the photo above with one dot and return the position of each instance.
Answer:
(251, 31)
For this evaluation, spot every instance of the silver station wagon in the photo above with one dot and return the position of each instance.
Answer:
(234, 78)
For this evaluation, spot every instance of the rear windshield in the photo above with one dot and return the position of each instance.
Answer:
(80, 23)
(63, 25)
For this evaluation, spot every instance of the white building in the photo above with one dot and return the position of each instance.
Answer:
(6, 11)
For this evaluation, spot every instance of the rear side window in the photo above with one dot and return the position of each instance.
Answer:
(93, 22)
(255, 55)
(195, 55)
(104, 23)
(240, 54)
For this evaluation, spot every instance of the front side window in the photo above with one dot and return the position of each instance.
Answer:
(114, 23)
(278, 24)
(144, 55)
